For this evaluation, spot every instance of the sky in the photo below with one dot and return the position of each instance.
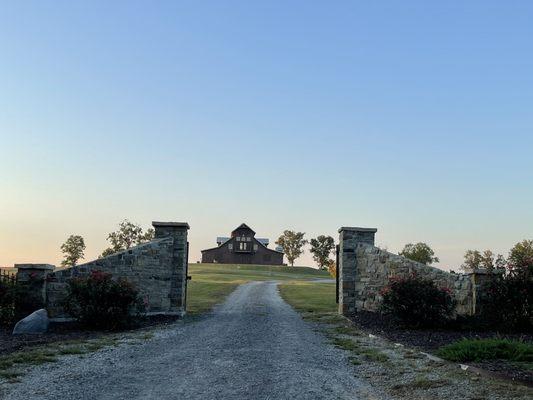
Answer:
(412, 117)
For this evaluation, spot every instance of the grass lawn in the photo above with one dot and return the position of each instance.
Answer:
(211, 283)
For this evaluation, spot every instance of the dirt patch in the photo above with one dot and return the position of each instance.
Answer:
(430, 340)
(66, 331)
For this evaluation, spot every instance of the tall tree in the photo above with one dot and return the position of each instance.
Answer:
(521, 259)
(72, 250)
(321, 247)
(292, 243)
(127, 235)
(420, 252)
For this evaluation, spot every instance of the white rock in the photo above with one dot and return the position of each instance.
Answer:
(35, 323)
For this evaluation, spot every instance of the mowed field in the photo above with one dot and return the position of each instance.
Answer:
(212, 283)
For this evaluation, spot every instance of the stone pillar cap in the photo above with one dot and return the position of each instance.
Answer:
(357, 229)
(35, 266)
(171, 224)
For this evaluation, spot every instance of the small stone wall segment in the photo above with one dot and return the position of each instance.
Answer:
(157, 269)
(365, 269)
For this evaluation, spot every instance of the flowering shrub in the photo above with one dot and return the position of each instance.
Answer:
(99, 302)
(417, 302)
(507, 303)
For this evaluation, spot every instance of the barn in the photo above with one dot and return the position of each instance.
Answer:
(242, 247)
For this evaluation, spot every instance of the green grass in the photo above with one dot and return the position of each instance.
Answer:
(346, 344)
(246, 273)
(487, 349)
(212, 283)
(310, 297)
(374, 355)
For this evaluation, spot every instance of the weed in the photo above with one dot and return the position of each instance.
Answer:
(375, 355)
(346, 344)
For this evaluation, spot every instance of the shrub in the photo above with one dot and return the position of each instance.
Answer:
(99, 302)
(417, 302)
(487, 349)
(7, 302)
(18, 299)
(506, 303)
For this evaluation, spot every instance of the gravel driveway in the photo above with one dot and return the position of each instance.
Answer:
(254, 346)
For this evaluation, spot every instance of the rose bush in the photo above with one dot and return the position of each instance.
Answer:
(416, 302)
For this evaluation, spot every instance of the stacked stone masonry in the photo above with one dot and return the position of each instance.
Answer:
(158, 269)
(365, 269)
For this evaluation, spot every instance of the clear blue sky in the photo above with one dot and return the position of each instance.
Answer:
(414, 117)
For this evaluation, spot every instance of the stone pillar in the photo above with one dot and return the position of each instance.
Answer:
(349, 238)
(34, 275)
(479, 279)
(180, 261)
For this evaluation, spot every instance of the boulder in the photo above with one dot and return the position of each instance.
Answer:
(35, 323)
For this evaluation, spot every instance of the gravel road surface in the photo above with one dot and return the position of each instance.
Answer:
(254, 346)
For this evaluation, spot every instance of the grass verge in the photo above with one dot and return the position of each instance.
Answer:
(11, 365)
(310, 297)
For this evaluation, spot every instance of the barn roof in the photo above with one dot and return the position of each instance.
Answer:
(243, 226)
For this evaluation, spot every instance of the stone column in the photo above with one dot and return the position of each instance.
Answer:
(479, 279)
(180, 261)
(349, 238)
(34, 275)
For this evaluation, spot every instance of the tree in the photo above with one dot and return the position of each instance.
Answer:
(474, 259)
(127, 235)
(332, 268)
(72, 250)
(420, 252)
(520, 260)
(321, 247)
(292, 242)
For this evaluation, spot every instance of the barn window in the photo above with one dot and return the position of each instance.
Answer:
(248, 239)
(230, 246)
(255, 247)
(238, 239)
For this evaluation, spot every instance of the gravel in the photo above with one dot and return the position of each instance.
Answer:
(254, 346)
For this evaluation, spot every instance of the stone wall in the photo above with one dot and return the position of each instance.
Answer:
(158, 269)
(365, 269)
